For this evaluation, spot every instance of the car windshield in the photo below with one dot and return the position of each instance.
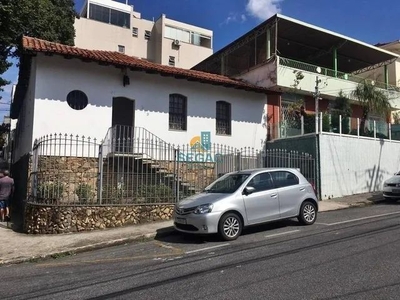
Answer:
(227, 184)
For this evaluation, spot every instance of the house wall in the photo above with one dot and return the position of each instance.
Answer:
(151, 95)
(186, 55)
(91, 34)
(347, 169)
(264, 75)
(24, 127)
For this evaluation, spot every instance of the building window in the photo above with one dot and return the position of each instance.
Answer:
(135, 32)
(177, 112)
(77, 100)
(121, 49)
(147, 35)
(223, 118)
(108, 15)
(187, 36)
(177, 34)
(171, 61)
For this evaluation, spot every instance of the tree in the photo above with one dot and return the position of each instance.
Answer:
(372, 100)
(4, 131)
(52, 20)
(342, 108)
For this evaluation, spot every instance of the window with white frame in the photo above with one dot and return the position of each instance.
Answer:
(187, 36)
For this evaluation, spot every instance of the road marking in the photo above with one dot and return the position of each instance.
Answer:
(360, 219)
(282, 233)
(208, 248)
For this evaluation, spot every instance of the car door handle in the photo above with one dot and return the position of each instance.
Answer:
(274, 195)
(302, 189)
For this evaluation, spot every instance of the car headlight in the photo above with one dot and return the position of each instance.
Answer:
(203, 209)
(385, 184)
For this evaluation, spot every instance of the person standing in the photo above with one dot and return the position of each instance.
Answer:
(6, 191)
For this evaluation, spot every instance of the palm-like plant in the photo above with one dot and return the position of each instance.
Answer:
(372, 100)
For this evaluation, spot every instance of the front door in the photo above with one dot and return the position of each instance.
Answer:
(123, 122)
(263, 204)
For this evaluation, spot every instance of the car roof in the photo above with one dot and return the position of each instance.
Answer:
(259, 170)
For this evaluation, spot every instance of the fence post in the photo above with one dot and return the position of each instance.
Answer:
(320, 122)
(238, 160)
(302, 124)
(390, 131)
(358, 127)
(176, 175)
(374, 129)
(340, 124)
(100, 181)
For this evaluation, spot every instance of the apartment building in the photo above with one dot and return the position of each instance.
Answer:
(114, 26)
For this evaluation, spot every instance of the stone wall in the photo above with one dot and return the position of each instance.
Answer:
(62, 179)
(40, 219)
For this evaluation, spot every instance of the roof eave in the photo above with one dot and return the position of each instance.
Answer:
(329, 32)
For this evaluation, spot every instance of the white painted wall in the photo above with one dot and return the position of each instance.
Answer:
(329, 86)
(24, 127)
(351, 165)
(264, 75)
(56, 77)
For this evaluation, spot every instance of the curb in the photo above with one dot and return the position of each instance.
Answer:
(102, 245)
(366, 203)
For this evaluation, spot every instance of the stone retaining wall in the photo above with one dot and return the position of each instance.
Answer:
(40, 219)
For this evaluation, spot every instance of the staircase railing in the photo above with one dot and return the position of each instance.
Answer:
(127, 140)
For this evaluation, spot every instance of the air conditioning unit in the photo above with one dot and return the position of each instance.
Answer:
(177, 43)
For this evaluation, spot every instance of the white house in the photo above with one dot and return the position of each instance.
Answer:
(64, 89)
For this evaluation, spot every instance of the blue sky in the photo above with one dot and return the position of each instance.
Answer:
(366, 20)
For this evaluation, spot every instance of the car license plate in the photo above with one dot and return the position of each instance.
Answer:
(180, 220)
(396, 191)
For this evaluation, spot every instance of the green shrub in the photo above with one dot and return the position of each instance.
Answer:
(335, 119)
(50, 190)
(85, 193)
(156, 193)
(326, 123)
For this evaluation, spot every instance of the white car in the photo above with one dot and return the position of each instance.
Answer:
(391, 188)
(246, 198)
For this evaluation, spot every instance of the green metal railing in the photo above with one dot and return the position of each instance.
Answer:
(331, 73)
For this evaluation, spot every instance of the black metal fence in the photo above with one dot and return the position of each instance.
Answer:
(133, 166)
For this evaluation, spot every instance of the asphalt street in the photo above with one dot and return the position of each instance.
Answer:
(347, 254)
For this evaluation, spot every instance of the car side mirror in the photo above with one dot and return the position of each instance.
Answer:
(248, 190)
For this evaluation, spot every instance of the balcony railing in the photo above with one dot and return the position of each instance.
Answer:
(336, 124)
(332, 73)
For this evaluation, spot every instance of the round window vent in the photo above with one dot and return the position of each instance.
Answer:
(77, 100)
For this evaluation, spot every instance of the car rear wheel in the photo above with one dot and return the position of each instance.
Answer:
(308, 213)
(230, 226)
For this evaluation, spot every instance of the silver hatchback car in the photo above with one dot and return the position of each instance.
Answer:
(246, 198)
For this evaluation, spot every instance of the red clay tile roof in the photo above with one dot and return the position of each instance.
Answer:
(119, 59)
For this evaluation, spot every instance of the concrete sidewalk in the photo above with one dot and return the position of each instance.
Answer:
(18, 247)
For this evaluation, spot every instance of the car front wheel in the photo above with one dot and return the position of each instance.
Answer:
(230, 226)
(308, 213)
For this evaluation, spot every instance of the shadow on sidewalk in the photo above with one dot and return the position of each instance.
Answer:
(376, 197)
